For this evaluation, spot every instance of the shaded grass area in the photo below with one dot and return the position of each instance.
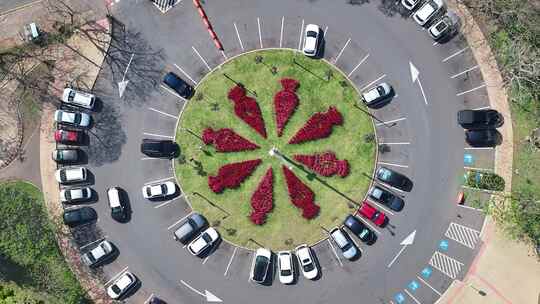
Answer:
(210, 107)
(29, 253)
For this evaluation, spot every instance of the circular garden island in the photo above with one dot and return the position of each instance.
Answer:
(274, 147)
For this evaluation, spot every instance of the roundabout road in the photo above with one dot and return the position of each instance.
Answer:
(366, 44)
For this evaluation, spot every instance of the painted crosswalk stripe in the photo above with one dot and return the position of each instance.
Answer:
(463, 235)
(445, 264)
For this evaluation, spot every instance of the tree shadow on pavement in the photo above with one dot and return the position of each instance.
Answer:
(391, 8)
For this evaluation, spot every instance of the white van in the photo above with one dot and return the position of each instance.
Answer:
(78, 98)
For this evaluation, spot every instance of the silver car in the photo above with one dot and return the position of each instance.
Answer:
(427, 11)
(448, 24)
(345, 244)
(76, 119)
(98, 254)
(75, 195)
(377, 95)
(190, 228)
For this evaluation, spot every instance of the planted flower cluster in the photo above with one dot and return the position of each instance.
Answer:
(262, 200)
(301, 195)
(247, 109)
(226, 140)
(318, 126)
(285, 103)
(325, 164)
(232, 175)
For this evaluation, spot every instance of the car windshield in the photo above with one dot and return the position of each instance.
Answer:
(163, 189)
(364, 233)
(260, 268)
(309, 266)
(286, 272)
(385, 174)
(91, 256)
(380, 89)
(376, 193)
(68, 194)
(63, 175)
(77, 118)
(84, 192)
(441, 26)
(311, 34)
(149, 191)
(207, 237)
(71, 95)
(116, 289)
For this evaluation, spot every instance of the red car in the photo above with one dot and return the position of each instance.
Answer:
(373, 214)
(67, 136)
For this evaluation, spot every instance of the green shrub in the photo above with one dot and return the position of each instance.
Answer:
(485, 180)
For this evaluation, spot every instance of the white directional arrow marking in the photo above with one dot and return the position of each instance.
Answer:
(406, 242)
(210, 297)
(415, 78)
(123, 84)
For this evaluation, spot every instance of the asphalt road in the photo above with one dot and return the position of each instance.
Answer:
(6, 5)
(426, 145)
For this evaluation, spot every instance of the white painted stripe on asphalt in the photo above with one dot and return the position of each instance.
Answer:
(466, 71)
(455, 54)
(238, 35)
(371, 83)
(205, 259)
(464, 235)
(300, 38)
(93, 242)
(230, 262)
(380, 206)
(478, 169)
(157, 135)
(168, 202)
(412, 297)
(446, 264)
(159, 180)
(181, 219)
(281, 33)
(483, 228)
(335, 253)
(148, 299)
(325, 30)
(395, 143)
(163, 113)
(392, 164)
(390, 187)
(390, 121)
(184, 72)
(201, 57)
(435, 43)
(428, 285)
(366, 223)
(342, 49)
(116, 276)
(472, 208)
(478, 148)
(153, 158)
(359, 64)
(260, 35)
(192, 289)
(482, 108)
(471, 90)
(224, 55)
(172, 92)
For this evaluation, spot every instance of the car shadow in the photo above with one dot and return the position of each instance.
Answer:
(126, 203)
(317, 264)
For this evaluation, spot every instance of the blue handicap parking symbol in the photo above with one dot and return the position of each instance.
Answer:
(400, 298)
(468, 159)
(443, 245)
(426, 272)
(413, 285)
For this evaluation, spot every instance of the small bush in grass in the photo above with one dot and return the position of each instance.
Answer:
(485, 180)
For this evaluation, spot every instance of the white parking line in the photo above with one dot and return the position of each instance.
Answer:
(478, 148)
(391, 164)
(260, 36)
(230, 262)
(360, 218)
(380, 206)
(371, 83)
(116, 276)
(410, 295)
(280, 34)
(482, 108)
(172, 92)
(471, 208)
(181, 219)
(478, 169)
(464, 235)
(300, 38)
(426, 283)
(342, 49)
(359, 64)
(238, 35)
(435, 43)
(201, 57)
(390, 121)
(390, 187)
(93, 242)
(148, 299)
(158, 135)
(471, 90)
(445, 264)
(159, 180)
(325, 30)
(455, 54)
(184, 72)
(394, 143)
(224, 55)
(335, 253)
(168, 202)
(466, 71)
(163, 113)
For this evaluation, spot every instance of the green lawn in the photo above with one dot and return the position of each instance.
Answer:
(210, 107)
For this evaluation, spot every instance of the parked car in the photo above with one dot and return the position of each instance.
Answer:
(394, 179)
(193, 224)
(372, 214)
(71, 175)
(377, 95)
(286, 267)
(121, 285)
(410, 4)
(159, 148)
(176, 83)
(307, 264)
(359, 229)
(98, 254)
(66, 155)
(387, 198)
(117, 204)
(155, 300)
(203, 242)
(444, 27)
(160, 190)
(260, 265)
(68, 136)
(79, 216)
(480, 119)
(427, 11)
(483, 138)
(344, 243)
(75, 195)
(78, 98)
(311, 40)
(75, 119)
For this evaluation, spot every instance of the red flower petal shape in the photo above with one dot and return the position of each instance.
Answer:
(285, 103)
(226, 140)
(318, 126)
(325, 164)
(262, 200)
(247, 109)
(232, 175)
(300, 194)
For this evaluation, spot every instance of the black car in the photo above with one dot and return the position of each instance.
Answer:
(159, 148)
(479, 119)
(178, 85)
(76, 217)
(359, 229)
(387, 198)
(156, 300)
(64, 156)
(394, 179)
(483, 138)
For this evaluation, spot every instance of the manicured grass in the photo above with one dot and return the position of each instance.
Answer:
(210, 107)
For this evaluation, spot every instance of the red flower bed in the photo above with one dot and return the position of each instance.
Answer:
(247, 109)
(232, 175)
(301, 195)
(325, 164)
(262, 200)
(226, 140)
(285, 103)
(318, 126)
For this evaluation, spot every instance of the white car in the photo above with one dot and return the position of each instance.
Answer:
(98, 254)
(204, 241)
(121, 285)
(307, 264)
(76, 119)
(158, 190)
(427, 11)
(377, 95)
(75, 195)
(117, 204)
(71, 175)
(260, 265)
(410, 4)
(286, 267)
(344, 242)
(78, 98)
(311, 40)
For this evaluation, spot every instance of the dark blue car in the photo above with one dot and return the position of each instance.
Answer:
(178, 85)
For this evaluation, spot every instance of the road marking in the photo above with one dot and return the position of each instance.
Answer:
(360, 218)
(410, 295)
(390, 187)
(238, 35)
(148, 299)
(159, 180)
(435, 43)
(184, 72)
(172, 92)
(201, 57)
(359, 64)
(93, 242)
(168, 202)
(205, 259)
(335, 253)
(455, 54)
(342, 49)
(224, 55)
(281, 33)
(391, 164)
(482, 108)
(446, 264)
(325, 30)
(192, 289)
(301, 31)
(390, 121)
(157, 135)
(471, 90)
(116, 276)
(150, 158)
(260, 36)
(380, 206)
(466, 71)
(426, 283)
(463, 235)
(478, 169)
(163, 113)
(181, 219)
(472, 208)
(478, 148)
(230, 262)
(371, 83)
(395, 143)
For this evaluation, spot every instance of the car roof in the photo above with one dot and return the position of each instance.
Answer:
(114, 197)
(124, 281)
(74, 173)
(285, 261)
(367, 209)
(339, 236)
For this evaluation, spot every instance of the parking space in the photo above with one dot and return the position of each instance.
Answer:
(396, 135)
(270, 31)
(328, 257)
(480, 159)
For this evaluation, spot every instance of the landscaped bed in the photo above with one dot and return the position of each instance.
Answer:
(228, 129)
